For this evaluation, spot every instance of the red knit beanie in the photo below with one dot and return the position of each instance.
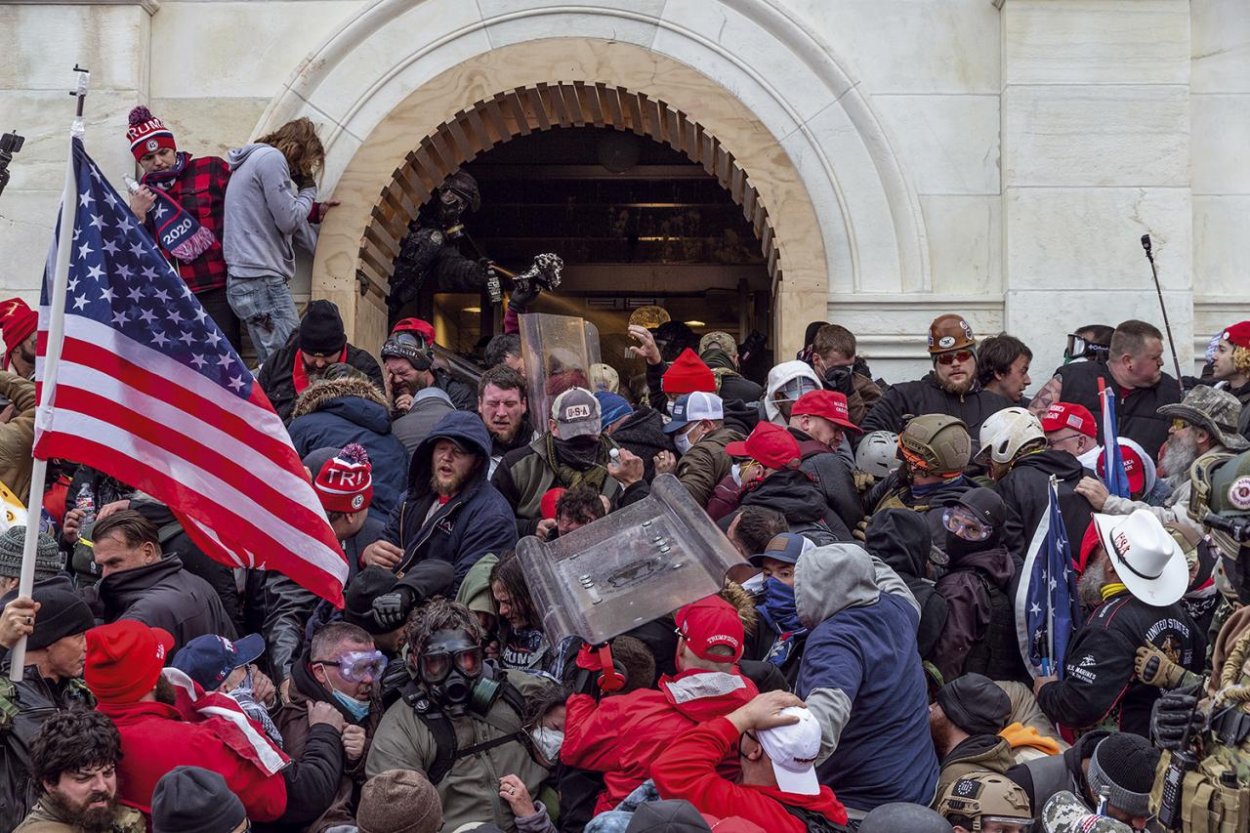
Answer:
(17, 322)
(688, 374)
(124, 660)
(148, 134)
(345, 481)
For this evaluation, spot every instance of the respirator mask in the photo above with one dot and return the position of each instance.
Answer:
(453, 672)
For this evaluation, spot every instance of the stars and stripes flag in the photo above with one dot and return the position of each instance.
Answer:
(1115, 476)
(149, 391)
(1047, 605)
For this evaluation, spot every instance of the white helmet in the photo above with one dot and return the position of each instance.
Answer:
(877, 453)
(1004, 433)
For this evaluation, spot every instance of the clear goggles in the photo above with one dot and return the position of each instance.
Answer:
(358, 666)
(435, 666)
(795, 388)
(961, 523)
(408, 339)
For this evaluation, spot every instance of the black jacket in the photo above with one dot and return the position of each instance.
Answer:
(1026, 491)
(278, 383)
(980, 631)
(1099, 688)
(832, 476)
(1136, 414)
(924, 396)
(901, 539)
(643, 434)
(1042, 778)
(794, 494)
(164, 595)
(35, 700)
(461, 394)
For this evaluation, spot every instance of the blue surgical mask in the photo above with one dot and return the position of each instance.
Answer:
(357, 709)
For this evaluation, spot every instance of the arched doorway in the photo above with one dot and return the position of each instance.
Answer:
(646, 206)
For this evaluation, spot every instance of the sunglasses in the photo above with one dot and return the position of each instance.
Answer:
(357, 666)
(436, 666)
(951, 358)
(1179, 424)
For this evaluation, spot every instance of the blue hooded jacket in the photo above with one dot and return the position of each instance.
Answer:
(473, 523)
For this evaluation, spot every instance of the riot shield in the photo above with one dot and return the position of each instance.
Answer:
(558, 351)
(637, 564)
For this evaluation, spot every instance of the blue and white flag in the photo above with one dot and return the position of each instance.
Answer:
(1114, 475)
(1047, 606)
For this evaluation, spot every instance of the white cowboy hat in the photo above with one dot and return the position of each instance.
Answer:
(1146, 558)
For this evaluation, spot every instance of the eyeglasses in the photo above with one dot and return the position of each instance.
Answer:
(963, 524)
(436, 666)
(356, 666)
(957, 356)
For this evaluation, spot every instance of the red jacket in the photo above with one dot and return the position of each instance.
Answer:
(622, 736)
(687, 770)
(156, 738)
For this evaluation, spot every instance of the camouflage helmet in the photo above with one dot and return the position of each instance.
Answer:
(936, 444)
(982, 796)
(1064, 813)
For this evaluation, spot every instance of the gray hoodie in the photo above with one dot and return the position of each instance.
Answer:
(264, 215)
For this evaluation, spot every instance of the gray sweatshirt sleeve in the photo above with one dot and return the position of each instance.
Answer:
(832, 709)
(290, 213)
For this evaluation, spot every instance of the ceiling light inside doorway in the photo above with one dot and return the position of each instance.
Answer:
(695, 324)
(472, 309)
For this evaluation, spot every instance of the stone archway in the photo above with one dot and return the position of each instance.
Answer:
(525, 110)
(844, 217)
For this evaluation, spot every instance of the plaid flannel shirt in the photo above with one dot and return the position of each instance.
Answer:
(201, 190)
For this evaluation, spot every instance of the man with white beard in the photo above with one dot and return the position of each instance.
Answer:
(1204, 424)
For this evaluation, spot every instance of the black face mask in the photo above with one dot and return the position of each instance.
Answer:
(957, 547)
(580, 451)
(840, 379)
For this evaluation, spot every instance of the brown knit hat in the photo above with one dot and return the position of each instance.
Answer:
(399, 801)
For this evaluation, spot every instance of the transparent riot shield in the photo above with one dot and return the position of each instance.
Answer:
(558, 351)
(637, 564)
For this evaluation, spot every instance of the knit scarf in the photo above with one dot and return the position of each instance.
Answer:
(594, 473)
(780, 611)
(177, 230)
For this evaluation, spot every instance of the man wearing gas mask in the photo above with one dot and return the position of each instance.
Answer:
(460, 721)
(835, 361)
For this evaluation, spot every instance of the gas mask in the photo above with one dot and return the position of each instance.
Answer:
(451, 207)
(840, 379)
(451, 669)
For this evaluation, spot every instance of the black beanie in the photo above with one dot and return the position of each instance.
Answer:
(359, 594)
(190, 799)
(975, 704)
(61, 614)
(321, 329)
(1125, 764)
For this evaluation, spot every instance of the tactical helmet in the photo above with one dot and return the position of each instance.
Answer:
(900, 816)
(936, 444)
(982, 796)
(1005, 433)
(464, 185)
(878, 453)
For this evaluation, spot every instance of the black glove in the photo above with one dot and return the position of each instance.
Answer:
(523, 294)
(391, 609)
(303, 181)
(1172, 714)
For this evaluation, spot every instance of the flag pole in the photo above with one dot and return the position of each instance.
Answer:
(1051, 490)
(52, 358)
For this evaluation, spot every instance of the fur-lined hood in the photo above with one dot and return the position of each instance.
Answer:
(319, 394)
(733, 593)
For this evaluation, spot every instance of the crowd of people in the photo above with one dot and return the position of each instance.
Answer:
(862, 668)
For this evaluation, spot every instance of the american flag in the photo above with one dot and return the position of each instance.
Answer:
(149, 391)
(1047, 605)
(1114, 474)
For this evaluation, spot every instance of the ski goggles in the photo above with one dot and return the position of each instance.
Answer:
(963, 524)
(1079, 348)
(357, 666)
(436, 666)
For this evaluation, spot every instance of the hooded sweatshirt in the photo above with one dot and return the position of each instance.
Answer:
(1025, 491)
(777, 379)
(861, 677)
(264, 214)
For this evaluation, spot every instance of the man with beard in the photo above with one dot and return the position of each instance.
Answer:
(451, 511)
(409, 362)
(319, 342)
(1231, 369)
(1134, 580)
(573, 452)
(502, 405)
(51, 683)
(1134, 371)
(935, 449)
(74, 761)
(1204, 424)
(952, 388)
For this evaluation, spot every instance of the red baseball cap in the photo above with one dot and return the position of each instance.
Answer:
(124, 660)
(1134, 467)
(826, 404)
(708, 623)
(769, 444)
(1062, 415)
(1239, 334)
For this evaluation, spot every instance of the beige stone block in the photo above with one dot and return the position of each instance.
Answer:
(910, 46)
(210, 126)
(41, 43)
(1220, 41)
(1221, 256)
(27, 219)
(238, 49)
(965, 243)
(948, 143)
(1096, 42)
(505, 27)
(1118, 135)
(1062, 239)
(1221, 143)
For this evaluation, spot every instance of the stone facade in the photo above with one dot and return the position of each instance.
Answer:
(995, 157)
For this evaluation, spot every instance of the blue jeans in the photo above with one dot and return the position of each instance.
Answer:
(265, 305)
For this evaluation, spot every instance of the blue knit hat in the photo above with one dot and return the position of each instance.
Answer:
(613, 406)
